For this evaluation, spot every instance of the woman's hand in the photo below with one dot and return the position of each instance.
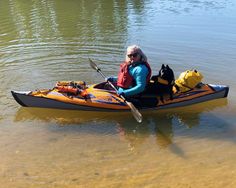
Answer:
(110, 79)
(121, 92)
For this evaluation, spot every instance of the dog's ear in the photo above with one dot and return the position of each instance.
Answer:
(167, 67)
(163, 66)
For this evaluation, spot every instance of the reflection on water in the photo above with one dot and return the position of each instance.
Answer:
(160, 124)
(186, 6)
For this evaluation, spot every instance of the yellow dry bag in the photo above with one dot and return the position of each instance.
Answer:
(188, 80)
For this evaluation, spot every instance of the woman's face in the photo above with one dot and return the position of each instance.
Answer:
(133, 56)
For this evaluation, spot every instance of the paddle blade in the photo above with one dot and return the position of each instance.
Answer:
(93, 65)
(135, 112)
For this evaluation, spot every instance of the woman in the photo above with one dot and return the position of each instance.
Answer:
(134, 74)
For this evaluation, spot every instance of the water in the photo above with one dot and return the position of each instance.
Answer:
(42, 42)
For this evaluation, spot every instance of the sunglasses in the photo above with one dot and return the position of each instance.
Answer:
(132, 55)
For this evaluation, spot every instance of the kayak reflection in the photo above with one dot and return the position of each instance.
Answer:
(159, 125)
(163, 125)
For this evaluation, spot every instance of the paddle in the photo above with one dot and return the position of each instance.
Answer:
(134, 110)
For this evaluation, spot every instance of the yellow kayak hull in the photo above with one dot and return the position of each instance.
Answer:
(106, 100)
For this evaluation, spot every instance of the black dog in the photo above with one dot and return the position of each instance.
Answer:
(162, 83)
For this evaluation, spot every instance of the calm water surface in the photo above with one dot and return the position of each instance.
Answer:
(45, 41)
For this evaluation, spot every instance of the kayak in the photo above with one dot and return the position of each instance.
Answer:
(99, 97)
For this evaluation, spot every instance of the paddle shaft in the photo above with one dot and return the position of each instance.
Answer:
(137, 115)
(99, 70)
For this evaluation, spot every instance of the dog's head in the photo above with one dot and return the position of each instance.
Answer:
(166, 73)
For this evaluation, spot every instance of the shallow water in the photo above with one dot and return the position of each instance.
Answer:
(42, 42)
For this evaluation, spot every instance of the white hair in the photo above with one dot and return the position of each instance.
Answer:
(137, 49)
